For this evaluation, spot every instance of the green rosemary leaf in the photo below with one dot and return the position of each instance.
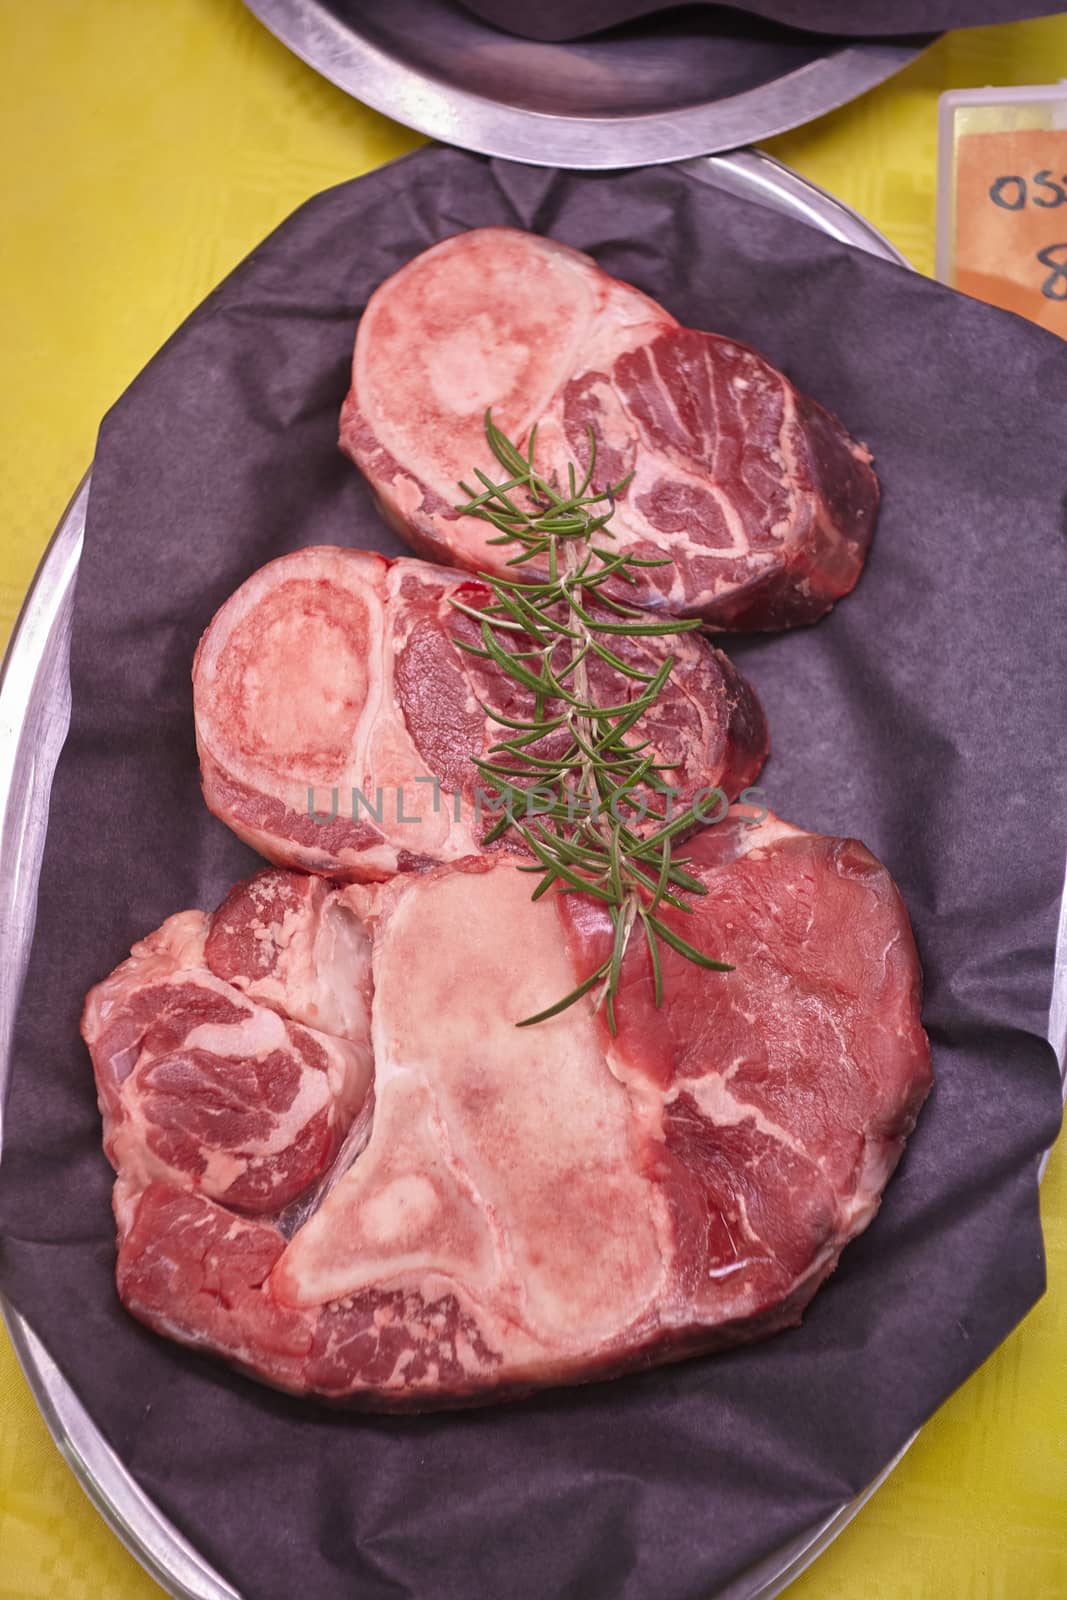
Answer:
(623, 762)
(509, 661)
(568, 999)
(615, 868)
(496, 773)
(610, 727)
(601, 522)
(498, 830)
(499, 494)
(522, 742)
(560, 868)
(547, 882)
(684, 948)
(623, 919)
(597, 586)
(614, 561)
(678, 881)
(527, 555)
(618, 663)
(591, 464)
(481, 616)
(685, 880)
(645, 882)
(575, 662)
(505, 452)
(685, 821)
(664, 875)
(528, 615)
(471, 649)
(650, 561)
(570, 850)
(632, 630)
(538, 728)
(577, 576)
(653, 953)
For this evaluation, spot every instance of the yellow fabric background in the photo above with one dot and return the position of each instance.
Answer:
(148, 145)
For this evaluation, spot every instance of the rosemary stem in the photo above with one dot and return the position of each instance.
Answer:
(587, 734)
(579, 843)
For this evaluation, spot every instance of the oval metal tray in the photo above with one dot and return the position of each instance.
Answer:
(34, 717)
(635, 96)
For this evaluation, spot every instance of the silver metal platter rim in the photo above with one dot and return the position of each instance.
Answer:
(594, 143)
(135, 1519)
(35, 663)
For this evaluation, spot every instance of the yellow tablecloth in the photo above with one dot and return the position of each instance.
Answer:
(148, 145)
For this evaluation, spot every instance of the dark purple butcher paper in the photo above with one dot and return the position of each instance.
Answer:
(925, 716)
(558, 20)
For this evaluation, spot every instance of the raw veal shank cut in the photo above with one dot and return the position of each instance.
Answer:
(758, 495)
(337, 671)
(510, 1207)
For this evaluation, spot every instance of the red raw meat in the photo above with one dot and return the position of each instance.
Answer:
(337, 672)
(761, 499)
(524, 1206)
(233, 1052)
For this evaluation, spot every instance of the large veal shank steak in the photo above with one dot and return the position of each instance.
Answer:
(511, 1207)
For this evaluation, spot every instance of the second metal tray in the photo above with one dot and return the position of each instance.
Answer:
(650, 92)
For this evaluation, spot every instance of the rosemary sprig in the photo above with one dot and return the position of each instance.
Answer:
(573, 777)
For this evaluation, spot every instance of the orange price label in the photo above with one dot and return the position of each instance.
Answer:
(1011, 222)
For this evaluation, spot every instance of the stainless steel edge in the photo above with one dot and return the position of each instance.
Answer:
(407, 92)
(754, 175)
(769, 1577)
(1057, 1013)
(34, 718)
(151, 1537)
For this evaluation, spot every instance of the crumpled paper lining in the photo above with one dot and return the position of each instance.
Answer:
(924, 716)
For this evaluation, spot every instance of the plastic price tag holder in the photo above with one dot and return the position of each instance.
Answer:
(1002, 199)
